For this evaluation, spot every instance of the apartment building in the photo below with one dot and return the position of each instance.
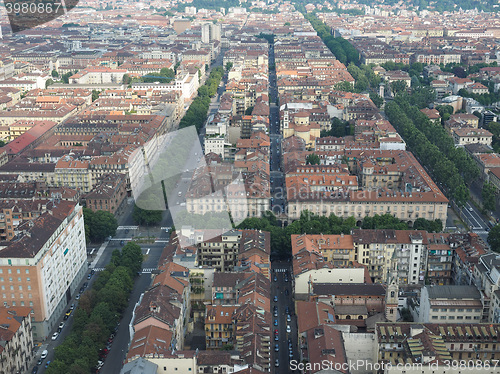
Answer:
(221, 252)
(336, 249)
(16, 339)
(450, 304)
(44, 267)
(219, 326)
(486, 277)
(427, 348)
(108, 194)
(386, 251)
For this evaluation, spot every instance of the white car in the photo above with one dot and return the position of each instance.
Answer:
(288, 329)
(44, 354)
(55, 335)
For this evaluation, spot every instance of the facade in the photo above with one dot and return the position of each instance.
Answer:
(16, 340)
(450, 304)
(43, 269)
(108, 194)
(427, 348)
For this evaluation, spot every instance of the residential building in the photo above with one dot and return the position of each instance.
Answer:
(45, 265)
(16, 339)
(450, 304)
(427, 348)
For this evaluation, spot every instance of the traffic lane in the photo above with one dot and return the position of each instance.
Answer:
(474, 218)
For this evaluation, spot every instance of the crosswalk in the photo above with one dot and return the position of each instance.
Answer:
(145, 271)
(279, 270)
(481, 232)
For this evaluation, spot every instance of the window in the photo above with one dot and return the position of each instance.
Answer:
(27, 271)
(18, 271)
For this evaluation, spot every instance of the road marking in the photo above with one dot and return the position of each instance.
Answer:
(161, 241)
(147, 250)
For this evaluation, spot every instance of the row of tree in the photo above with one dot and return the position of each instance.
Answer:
(98, 313)
(310, 223)
(340, 47)
(429, 154)
(197, 112)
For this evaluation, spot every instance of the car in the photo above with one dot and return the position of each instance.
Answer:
(61, 325)
(77, 297)
(286, 292)
(276, 332)
(89, 276)
(288, 329)
(85, 285)
(290, 354)
(122, 243)
(277, 363)
(35, 370)
(92, 272)
(275, 278)
(471, 209)
(286, 279)
(82, 289)
(275, 298)
(40, 360)
(55, 335)
(72, 307)
(47, 364)
(287, 310)
(288, 319)
(44, 354)
(276, 337)
(276, 347)
(275, 322)
(276, 313)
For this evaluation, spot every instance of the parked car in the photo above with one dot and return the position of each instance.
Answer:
(55, 335)
(47, 364)
(44, 354)
(35, 370)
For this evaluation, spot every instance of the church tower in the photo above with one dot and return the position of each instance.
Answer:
(391, 300)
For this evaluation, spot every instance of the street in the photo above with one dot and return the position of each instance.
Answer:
(281, 286)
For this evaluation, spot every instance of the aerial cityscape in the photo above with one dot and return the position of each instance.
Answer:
(232, 186)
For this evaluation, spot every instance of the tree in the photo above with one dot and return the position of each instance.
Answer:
(146, 217)
(95, 95)
(99, 225)
(55, 74)
(249, 111)
(488, 194)
(494, 238)
(313, 159)
(377, 99)
(48, 83)
(229, 65)
(398, 86)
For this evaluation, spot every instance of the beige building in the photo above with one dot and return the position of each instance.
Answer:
(464, 136)
(16, 339)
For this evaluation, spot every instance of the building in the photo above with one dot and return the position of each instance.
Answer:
(43, 268)
(219, 326)
(108, 194)
(450, 304)
(221, 252)
(16, 339)
(387, 251)
(427, 348)
(464, 136)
